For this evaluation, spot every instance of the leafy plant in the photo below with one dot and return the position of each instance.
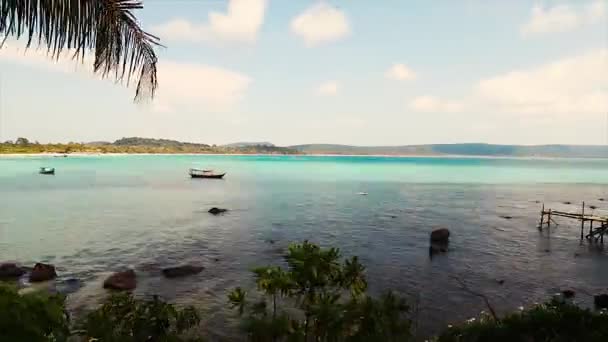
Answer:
(554, 321)
(108, 28)
(123, 318)
(323, 298)
(32, 317)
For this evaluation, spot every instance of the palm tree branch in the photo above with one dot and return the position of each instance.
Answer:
(107, 27)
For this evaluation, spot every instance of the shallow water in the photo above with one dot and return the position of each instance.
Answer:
(100, 214)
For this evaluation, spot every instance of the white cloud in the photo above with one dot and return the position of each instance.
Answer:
(15, 52)
(434, 104)
(562, 18)
(241, 23)
(400, 72)
(321, 23)
(180, 84)
(199, 85)
(328, 88)
(574, 85)
(568, 88)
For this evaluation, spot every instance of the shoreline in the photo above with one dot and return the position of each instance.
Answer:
(446, 156)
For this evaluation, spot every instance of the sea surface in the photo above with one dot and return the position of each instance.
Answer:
(100, 214)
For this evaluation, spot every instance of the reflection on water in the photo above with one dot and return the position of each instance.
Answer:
(98, 215)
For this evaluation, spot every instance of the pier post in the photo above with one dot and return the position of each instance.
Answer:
(549, 219)
(542, 217)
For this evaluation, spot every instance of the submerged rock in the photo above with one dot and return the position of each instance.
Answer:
(126, 280)
(69, 286)
(182, 271)
(10, 270)
(601, 301)
(440, 235)
(217, 211)
(438, 248)
(42, 272)
(506, 217)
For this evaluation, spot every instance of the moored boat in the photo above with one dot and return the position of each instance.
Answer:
(47, 171)
(197, 173)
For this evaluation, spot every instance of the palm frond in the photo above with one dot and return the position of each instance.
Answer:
(107, 27)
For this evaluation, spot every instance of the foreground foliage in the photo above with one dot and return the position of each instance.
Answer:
(32, 317)
(319, 297)
(123, 318)
(554, 321)
(108, 29)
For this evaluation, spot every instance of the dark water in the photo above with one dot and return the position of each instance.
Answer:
(101, 214)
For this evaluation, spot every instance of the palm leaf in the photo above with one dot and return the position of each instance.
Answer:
(108, 27)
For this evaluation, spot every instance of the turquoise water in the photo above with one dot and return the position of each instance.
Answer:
(99, 214)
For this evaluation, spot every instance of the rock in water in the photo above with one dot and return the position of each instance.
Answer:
(601, 301)
(440, 235)
(182, 271)
(216, 211)
(126, 280)
(10, 270)
(568, 294)
(42, 272)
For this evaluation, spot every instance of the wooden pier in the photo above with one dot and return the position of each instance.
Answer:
(595, 234)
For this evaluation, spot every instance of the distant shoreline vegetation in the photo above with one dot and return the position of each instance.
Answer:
(136, 145)
(139, 145)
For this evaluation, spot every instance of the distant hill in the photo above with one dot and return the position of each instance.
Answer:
(472, 149)
(247, 144)
(174, 146)
(136, 141)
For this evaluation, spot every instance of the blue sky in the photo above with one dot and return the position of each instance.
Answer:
(352, 72)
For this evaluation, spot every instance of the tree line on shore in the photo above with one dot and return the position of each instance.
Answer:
(136, 145)
(316, 296)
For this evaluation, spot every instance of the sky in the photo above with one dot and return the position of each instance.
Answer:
(357, 72)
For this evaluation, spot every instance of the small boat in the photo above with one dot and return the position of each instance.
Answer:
(196, 173)
(47, 171)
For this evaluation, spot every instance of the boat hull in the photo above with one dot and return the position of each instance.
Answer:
(220, 176)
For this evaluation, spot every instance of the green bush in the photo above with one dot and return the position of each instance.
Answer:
(323, 299)
(551, 322)
(122, 318)
(32, 317)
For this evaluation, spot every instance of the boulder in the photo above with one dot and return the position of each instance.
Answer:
(440, 235)
(10, 270)
(568, 294)
(217, 211)
(601, 301)
(42, 272)
(126, 280)
(182, 271)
